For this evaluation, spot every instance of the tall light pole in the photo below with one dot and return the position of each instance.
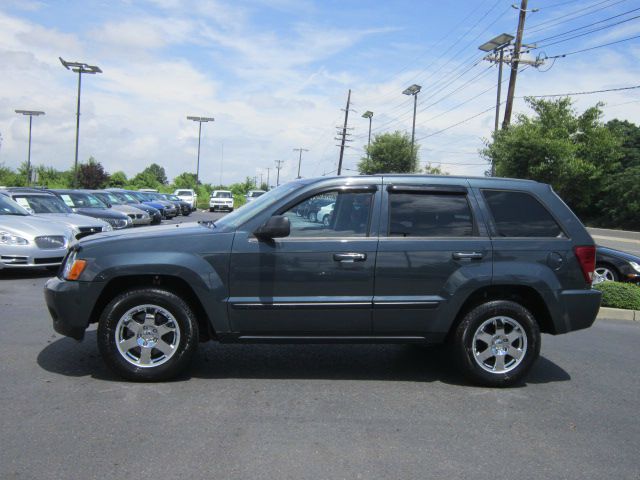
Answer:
(268, 173)
(300, 157)
(31, 114)
(497, 46)
(368, 114)
(200, 121)
(413, 90)
(79, 68)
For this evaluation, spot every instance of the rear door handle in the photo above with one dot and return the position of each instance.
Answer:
(349, 257)
(470, 255)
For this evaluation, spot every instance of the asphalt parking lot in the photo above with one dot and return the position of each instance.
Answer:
(310, 411)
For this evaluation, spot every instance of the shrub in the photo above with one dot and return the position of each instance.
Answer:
(620, 295)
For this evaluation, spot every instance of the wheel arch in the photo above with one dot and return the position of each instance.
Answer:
(524, 295)
(174, 284)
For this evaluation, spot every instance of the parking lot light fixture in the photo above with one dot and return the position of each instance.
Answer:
(413, 90)
(30, 114)
(200, 121)
(79, 68)
(368, 114)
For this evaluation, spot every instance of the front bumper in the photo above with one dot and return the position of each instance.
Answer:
(30, 256)
(221, 205)
(580, 309)
(70, 305)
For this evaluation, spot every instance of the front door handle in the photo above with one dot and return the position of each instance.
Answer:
(349, 257)
(469, 255)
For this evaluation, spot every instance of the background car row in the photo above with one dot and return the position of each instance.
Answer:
(38, 225)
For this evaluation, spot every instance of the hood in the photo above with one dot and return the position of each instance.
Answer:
(31, 226)
(154, 204)
(617, 253)
(100, 212)
(160, 231)
(126, 209)
(74, 220)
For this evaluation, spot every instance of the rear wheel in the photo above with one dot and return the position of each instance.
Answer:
(147, 334)
(607, 273)
(313, 217)
(325, 220)
(497, 343)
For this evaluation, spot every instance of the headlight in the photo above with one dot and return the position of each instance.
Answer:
(8, 239)
(51, 242)
(73, 267)
(635, 266)
(107, 228)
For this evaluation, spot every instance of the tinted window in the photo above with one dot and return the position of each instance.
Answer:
(429, 215)
(518, 214)
(331, 214)
(42, 203)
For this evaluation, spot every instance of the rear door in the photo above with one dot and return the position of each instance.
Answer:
(433, 249)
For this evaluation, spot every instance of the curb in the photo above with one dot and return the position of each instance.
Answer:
(618, 314)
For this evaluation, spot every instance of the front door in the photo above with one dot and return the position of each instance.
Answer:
(318, 281)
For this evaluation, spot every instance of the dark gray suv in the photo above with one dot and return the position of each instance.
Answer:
(484, 264)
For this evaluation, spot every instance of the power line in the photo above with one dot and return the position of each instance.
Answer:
(585, 33)
(572, 16)
(582, 93)
(592, 48)
(587, 26)
(458, 123)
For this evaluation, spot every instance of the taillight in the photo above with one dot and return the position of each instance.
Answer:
(586, 256)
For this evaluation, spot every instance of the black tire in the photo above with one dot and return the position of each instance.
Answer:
(326, 220)
(313, 216)
(608, 271)
(184, 350)
(211, 210)
(463, 339)
(231, 210)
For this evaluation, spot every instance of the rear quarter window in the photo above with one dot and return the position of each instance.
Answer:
(520, 214)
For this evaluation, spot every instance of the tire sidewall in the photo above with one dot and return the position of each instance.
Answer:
(121, 304)
(468, 327)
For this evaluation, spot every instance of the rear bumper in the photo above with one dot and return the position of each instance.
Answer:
(70, 305)
(580, 309)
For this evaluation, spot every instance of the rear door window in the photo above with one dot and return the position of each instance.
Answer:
(519, 214)
(425, 214)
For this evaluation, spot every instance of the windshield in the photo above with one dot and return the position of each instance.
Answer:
(240, 216)
(42, 203)
(184, 193)
(173, 198)
(221, 195)
(9, 207)
(81, 200)
(126, 197)
(256, 194)
(108, 197)
(140, 196)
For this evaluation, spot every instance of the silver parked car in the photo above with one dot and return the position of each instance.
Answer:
(47, 205)
(27, 241)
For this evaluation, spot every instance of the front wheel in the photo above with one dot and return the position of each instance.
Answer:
(313, 217)
(147, 334)
(326, 220)
(497, 343)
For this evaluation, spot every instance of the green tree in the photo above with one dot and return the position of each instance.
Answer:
(575, 153)
(118, 179)
(9, 178)
(390, 153)
(51, 178)
(185, 180)
(92, 175)
(157, 172)
(429, 169)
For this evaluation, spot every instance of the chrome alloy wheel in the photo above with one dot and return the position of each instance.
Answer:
(605, 274)
(147, 336)
(499, 344)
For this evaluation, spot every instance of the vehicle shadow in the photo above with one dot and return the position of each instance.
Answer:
(327, 362)
(17, 273)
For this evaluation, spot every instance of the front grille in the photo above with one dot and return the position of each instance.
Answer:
(41, 261)
(86, 231)
(51, 242)
(116, 222)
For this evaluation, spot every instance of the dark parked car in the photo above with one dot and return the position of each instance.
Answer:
(86, 204)
(184, 208)
(616, 266)
(310, 209)
(485, 264)
(129, 199)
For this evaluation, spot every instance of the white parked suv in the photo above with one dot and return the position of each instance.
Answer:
(221, 200)
(187, 195)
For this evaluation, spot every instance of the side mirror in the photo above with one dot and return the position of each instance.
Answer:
(277, 226)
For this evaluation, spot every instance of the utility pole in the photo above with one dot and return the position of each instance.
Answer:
(278, 167)
(221, 163)
(344, 133)
(368, 114)
(268, 172)
(30, 114)
(200, 120)
(300, 157)
(514, 65)
(261, 182)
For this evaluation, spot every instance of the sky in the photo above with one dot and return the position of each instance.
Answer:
(275, 76)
